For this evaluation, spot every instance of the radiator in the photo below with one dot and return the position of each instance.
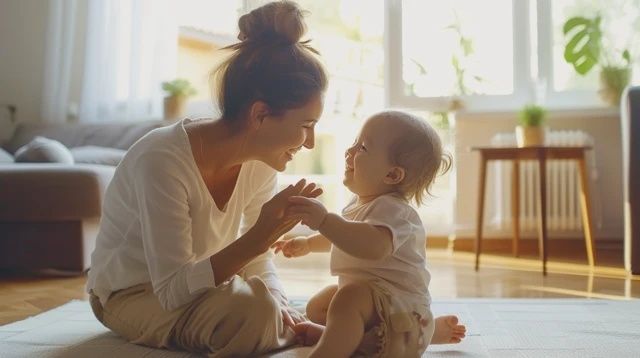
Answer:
(563, 185)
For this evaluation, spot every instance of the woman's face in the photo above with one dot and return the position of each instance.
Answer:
(281, 137)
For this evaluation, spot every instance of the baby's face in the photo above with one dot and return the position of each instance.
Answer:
(367, 163)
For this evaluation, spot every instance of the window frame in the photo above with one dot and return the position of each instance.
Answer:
(525, 80)
(574, 99)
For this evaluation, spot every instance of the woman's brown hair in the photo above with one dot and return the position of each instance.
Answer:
(270, 64)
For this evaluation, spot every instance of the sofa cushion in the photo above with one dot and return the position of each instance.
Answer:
(5, 157)
(92, 154)
(44, 150)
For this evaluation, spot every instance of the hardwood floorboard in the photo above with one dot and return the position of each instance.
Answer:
(24, 294)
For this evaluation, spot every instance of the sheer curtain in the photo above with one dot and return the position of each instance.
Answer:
(130, 49)
(58, 60)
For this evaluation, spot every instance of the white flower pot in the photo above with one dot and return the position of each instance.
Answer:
(527, 136)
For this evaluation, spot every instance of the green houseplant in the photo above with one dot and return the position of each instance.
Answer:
(584, 50)
(178, 91)
(531, 130)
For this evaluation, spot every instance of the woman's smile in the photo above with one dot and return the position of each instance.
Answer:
(291, 153)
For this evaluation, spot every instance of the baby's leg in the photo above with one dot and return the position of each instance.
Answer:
(319, 304)
(350, 314)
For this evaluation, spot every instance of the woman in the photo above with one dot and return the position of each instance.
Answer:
(181, 259)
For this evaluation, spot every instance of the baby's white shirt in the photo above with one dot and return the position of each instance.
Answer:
(403, 272)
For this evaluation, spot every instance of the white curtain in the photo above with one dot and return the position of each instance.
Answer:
(131, 47)
(58, 58)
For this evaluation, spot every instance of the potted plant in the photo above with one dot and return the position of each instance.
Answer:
(178, 91)
(531, 130)
(584, 50)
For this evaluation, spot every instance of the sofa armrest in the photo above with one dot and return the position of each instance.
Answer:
(52, 192)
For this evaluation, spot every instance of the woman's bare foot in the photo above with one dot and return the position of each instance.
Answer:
(448, 330)
(308, 333)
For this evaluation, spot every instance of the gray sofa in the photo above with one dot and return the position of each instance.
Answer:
(49, 212)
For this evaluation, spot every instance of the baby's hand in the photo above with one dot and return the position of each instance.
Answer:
(295, 247)
(310, 211)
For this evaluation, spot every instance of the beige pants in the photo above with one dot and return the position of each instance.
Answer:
(239, 319)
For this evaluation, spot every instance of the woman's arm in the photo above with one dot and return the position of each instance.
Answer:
(233, 258)
(262, 265)
(161, 198)
(270, 225)
(162, 203)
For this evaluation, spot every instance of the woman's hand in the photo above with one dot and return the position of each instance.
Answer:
(291, 316)
(273, 217)
(296, 247)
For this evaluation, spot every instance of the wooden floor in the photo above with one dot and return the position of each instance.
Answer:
(25, 294)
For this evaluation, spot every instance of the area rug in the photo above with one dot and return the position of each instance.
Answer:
(495, 328)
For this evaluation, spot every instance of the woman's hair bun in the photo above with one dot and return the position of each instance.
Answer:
(279, 21)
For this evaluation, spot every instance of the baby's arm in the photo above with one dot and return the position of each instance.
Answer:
(300, 246)
(356, 238)
(318, 243)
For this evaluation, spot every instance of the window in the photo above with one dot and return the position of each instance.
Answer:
(204, 26)
(449, 49)
(620, 26)
(440, 51)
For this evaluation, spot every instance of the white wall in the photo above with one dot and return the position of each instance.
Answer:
(477, 130)
(23, 35)
(23, 26)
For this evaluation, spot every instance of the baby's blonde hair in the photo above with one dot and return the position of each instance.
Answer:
(418, 149)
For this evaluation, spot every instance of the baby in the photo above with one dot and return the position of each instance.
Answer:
(381, 304)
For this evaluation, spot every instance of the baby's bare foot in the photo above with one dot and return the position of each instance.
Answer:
(308, 333)
(448, 330)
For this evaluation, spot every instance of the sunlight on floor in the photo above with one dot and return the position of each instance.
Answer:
(452, 276)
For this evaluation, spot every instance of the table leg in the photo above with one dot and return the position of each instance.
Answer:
(585, 206)
(542, 211)
(515, 206)
(480, 218)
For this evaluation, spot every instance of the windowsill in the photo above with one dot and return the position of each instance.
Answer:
(555, 113)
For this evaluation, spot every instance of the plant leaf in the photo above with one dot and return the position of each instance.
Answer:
(585, 66)
(571, 50)
(573, 22)
(421, 68)
(627, 56)
(584, 44)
